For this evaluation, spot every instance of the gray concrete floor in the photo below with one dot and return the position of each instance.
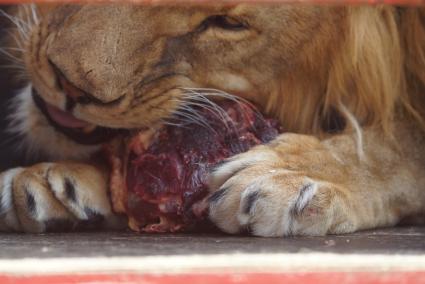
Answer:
(404, 240)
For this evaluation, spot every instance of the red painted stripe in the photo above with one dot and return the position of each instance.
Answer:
(391, 2)
(243, 278)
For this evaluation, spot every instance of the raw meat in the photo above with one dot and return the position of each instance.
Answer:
(160, 177)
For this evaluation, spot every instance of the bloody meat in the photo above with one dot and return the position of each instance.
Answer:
(162, 177)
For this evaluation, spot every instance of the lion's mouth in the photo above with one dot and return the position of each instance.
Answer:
(67, 119)
(76, 129)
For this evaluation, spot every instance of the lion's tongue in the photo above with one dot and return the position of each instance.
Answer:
(65, 119)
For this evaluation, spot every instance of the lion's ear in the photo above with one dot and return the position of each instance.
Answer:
(366, 75)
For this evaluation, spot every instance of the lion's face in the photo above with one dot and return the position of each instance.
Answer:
(133, 66)
(99, 68)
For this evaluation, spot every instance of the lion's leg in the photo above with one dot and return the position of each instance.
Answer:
(54, 196)
(298, 185)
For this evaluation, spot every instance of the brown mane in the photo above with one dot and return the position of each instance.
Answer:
(376, 70)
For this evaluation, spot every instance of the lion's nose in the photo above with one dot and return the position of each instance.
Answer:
(76, 95)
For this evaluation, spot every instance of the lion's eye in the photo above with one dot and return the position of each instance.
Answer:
(225, 23)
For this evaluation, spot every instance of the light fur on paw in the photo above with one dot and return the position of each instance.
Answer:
(268, 192)
(54, 197)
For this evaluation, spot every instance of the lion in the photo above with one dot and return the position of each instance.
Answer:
(346, 83)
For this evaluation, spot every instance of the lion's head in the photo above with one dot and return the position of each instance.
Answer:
(123, 66)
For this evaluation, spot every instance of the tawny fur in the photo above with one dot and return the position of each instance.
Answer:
(305, 65)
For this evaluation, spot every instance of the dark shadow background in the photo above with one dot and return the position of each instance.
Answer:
(10, 156)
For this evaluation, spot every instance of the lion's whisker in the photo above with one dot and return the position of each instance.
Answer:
(14, 66)
(215, 109)
(222, 94)
(192, 116)
(212, 108)
(26, 14)
(174, 124)
(19, 35)
(203, 102)
(214, 112)
(14, 49)
(22, 27)
(202, 94)
(31, 14)
(218, 93)
(34, 14)
(189, 110)
(18, 42)
(240, 100)
(11, 56)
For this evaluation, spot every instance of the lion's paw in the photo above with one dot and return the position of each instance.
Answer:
(54, 197)
(268, 191)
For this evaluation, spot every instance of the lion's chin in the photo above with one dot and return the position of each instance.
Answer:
(75, 129)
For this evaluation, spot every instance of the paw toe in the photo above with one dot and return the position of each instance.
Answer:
(34, 203)
(81, 189)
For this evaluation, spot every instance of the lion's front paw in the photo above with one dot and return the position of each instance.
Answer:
(52, 196)
(269, 192)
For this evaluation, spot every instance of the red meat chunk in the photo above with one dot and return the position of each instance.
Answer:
(165, 179)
